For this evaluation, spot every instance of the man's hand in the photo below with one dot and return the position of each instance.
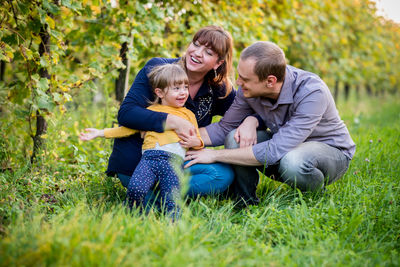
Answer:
(90, 134)
(246, 133)
(200, 156)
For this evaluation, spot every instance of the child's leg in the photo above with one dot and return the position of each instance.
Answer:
(169, 186)
(140, 183)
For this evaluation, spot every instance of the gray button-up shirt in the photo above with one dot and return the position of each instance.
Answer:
(304, 111)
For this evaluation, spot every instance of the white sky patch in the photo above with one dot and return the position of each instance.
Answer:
(389, 9)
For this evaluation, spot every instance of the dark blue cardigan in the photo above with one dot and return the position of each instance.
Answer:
(133, 114)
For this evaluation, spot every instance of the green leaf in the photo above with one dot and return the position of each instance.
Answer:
(43, 84)
(43, 62)
(43, 101)
(35, 77)
(57, 97)
(50, 7)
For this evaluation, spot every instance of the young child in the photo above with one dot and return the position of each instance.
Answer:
(159, 150)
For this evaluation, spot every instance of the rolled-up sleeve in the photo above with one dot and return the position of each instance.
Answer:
(231, 120)
(296, 130)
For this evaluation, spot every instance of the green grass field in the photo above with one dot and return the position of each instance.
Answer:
(66, 212)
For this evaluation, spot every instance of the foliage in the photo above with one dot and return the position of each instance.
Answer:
(67, 212)
(63, 210)
(342, 41)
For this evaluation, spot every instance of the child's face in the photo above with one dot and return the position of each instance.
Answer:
(175, 96)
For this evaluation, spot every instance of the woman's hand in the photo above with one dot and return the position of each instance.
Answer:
(246, 133)
(181, 126)
(90, 134)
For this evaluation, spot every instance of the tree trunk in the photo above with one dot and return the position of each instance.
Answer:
(369, 90)
(357, 91)
(2, 70)
(41, 124)
(346, 91)
(122, 81)
(336, 91)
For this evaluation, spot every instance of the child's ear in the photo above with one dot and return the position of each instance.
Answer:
(159, 92)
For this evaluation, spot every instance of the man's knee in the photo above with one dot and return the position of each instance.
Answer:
(300, 172)
(290, 167)
(230, 142)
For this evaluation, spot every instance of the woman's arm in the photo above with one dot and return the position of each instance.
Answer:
(133, 113)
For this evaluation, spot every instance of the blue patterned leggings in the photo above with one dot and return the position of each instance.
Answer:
(155, 166)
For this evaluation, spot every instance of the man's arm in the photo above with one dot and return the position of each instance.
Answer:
(306, 117)
(239, 156)
(235, 115)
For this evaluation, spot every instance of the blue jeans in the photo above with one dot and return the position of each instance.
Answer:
(205, 179)
(309, 167)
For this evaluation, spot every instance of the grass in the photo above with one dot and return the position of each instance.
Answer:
(64, 211)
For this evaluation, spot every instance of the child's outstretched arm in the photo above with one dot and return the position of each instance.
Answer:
(116, 132)
(91, 133)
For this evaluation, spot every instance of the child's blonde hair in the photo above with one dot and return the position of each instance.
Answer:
(167, 75)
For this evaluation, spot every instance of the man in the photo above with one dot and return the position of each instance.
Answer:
(306, 144)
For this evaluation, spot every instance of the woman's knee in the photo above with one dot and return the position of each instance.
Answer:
(208, 179)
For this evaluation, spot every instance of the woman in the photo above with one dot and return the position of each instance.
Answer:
(208, 64)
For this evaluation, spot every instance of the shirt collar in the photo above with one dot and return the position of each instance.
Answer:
(286, 94)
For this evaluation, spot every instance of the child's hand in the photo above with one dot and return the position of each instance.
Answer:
(90, 134)
(188, 141)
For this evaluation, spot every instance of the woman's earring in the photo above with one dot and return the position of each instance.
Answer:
(215, 73)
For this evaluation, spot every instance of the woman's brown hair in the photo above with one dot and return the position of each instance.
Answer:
(220, 41)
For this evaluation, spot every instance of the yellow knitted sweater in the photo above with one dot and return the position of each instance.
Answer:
(151, 138)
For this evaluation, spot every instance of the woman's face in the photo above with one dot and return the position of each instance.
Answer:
(201, 58)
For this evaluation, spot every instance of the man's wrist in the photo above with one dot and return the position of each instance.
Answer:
(253, 120)
(217, 155)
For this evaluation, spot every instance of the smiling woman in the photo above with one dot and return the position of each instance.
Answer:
(208, 65)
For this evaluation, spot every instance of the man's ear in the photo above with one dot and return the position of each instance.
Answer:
(159, 92)
(271, 81)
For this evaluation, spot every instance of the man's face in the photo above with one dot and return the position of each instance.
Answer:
(248, 80)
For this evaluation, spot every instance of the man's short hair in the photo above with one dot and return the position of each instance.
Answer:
(269, 58)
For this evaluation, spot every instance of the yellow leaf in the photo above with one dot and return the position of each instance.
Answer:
(96, 9)
(50, 22)
(55, 58)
